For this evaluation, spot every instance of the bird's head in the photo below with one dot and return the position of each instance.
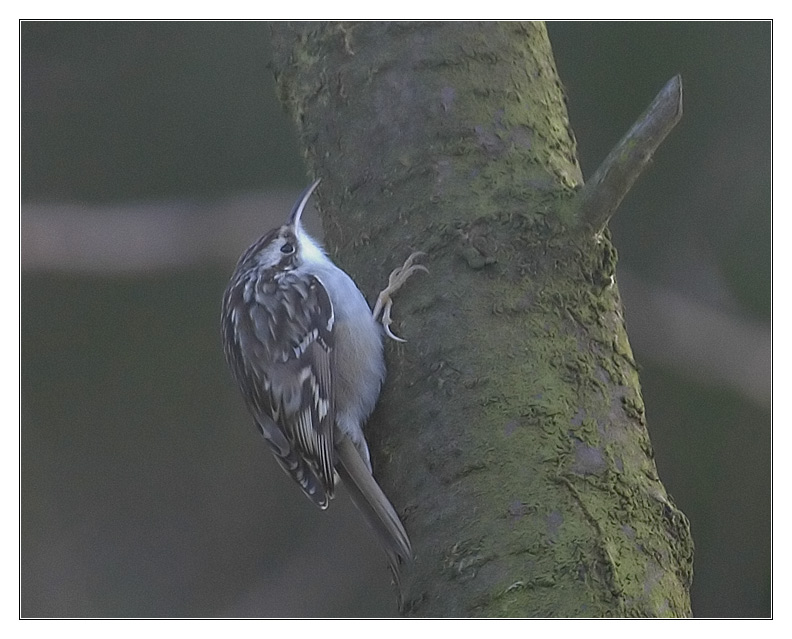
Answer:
(289, 246)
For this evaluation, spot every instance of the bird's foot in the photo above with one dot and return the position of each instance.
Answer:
(395, 281)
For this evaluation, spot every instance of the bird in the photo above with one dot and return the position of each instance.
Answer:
(307, 352)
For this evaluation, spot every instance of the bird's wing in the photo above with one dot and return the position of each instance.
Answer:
(279, 342)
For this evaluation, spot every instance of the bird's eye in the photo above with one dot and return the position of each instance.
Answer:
(287, 248)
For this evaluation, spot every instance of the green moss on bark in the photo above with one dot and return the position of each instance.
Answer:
(511, 433)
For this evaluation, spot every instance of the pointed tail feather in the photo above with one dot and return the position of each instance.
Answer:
(375, 506)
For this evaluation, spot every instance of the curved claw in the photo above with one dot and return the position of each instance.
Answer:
(390, 334)
(408, 262)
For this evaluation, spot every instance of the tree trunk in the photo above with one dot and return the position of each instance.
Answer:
(510, 434)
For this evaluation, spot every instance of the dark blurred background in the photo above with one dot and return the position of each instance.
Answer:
(153, 153)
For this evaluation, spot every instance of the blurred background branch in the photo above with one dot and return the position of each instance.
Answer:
(665, 326)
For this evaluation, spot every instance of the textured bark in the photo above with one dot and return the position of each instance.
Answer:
(511, 433)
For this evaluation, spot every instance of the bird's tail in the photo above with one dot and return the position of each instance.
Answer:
(375, 506)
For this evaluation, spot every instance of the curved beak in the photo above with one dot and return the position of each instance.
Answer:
(299, 205)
